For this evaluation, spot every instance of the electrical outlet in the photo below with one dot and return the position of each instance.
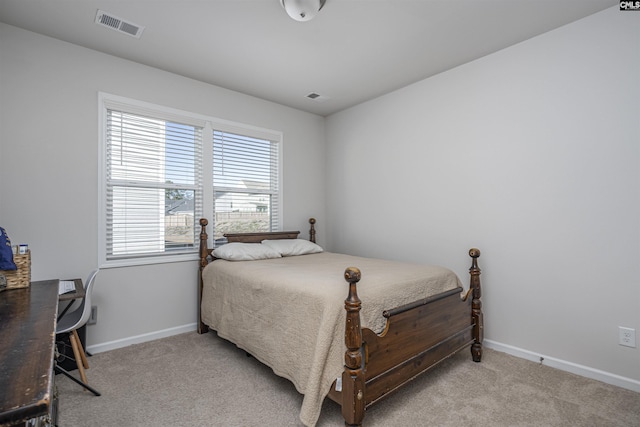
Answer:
(627, 337)
(93, 319)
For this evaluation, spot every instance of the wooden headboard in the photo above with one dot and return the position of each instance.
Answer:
(271, 235)
(205, 251)
(259, 237)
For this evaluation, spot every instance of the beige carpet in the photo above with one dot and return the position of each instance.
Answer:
(191, 379)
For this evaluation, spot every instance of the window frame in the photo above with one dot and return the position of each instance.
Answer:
(209, 124)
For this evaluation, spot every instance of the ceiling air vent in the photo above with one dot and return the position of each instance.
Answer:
(111, 21)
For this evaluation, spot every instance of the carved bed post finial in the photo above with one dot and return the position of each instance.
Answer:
(312, 230)
(476, 306)
(353, 375)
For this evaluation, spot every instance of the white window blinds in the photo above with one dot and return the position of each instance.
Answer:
(153, 185)
(245, 182)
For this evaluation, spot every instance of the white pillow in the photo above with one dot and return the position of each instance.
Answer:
(237, 251)
(292, 247)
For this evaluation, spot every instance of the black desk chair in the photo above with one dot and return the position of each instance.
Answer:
(68, 324)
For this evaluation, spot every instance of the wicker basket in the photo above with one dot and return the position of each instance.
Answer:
(20, 278)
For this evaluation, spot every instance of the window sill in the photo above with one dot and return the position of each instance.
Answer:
(160, 259)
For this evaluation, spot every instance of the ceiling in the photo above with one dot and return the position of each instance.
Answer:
(353, 51)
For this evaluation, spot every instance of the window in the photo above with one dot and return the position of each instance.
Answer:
(245, 182)
(154, 161)
(153, 185)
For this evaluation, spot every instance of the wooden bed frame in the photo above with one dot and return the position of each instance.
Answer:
(417, 336)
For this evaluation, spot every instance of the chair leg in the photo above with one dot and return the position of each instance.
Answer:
(77, 355)
(85, 362)
(63, 371)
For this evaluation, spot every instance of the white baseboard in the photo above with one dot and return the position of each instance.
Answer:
(563, 365)
(125, 342)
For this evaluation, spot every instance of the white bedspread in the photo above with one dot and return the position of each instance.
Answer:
(289, 312)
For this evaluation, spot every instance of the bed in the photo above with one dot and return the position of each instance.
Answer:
(398, 319)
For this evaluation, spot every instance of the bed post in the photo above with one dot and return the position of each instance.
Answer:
(353, 375)
(204, 254)
(312, 230)
(476, 306)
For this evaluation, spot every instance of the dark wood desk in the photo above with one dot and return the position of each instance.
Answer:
(27, 341)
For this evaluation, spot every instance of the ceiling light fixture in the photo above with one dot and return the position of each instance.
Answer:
(302, 10)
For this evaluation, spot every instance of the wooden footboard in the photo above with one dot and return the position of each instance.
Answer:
(417, 337)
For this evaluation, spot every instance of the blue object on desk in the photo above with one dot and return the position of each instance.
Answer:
(6, 252)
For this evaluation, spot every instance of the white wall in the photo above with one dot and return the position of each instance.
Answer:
(49, 181)
(531, 154)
